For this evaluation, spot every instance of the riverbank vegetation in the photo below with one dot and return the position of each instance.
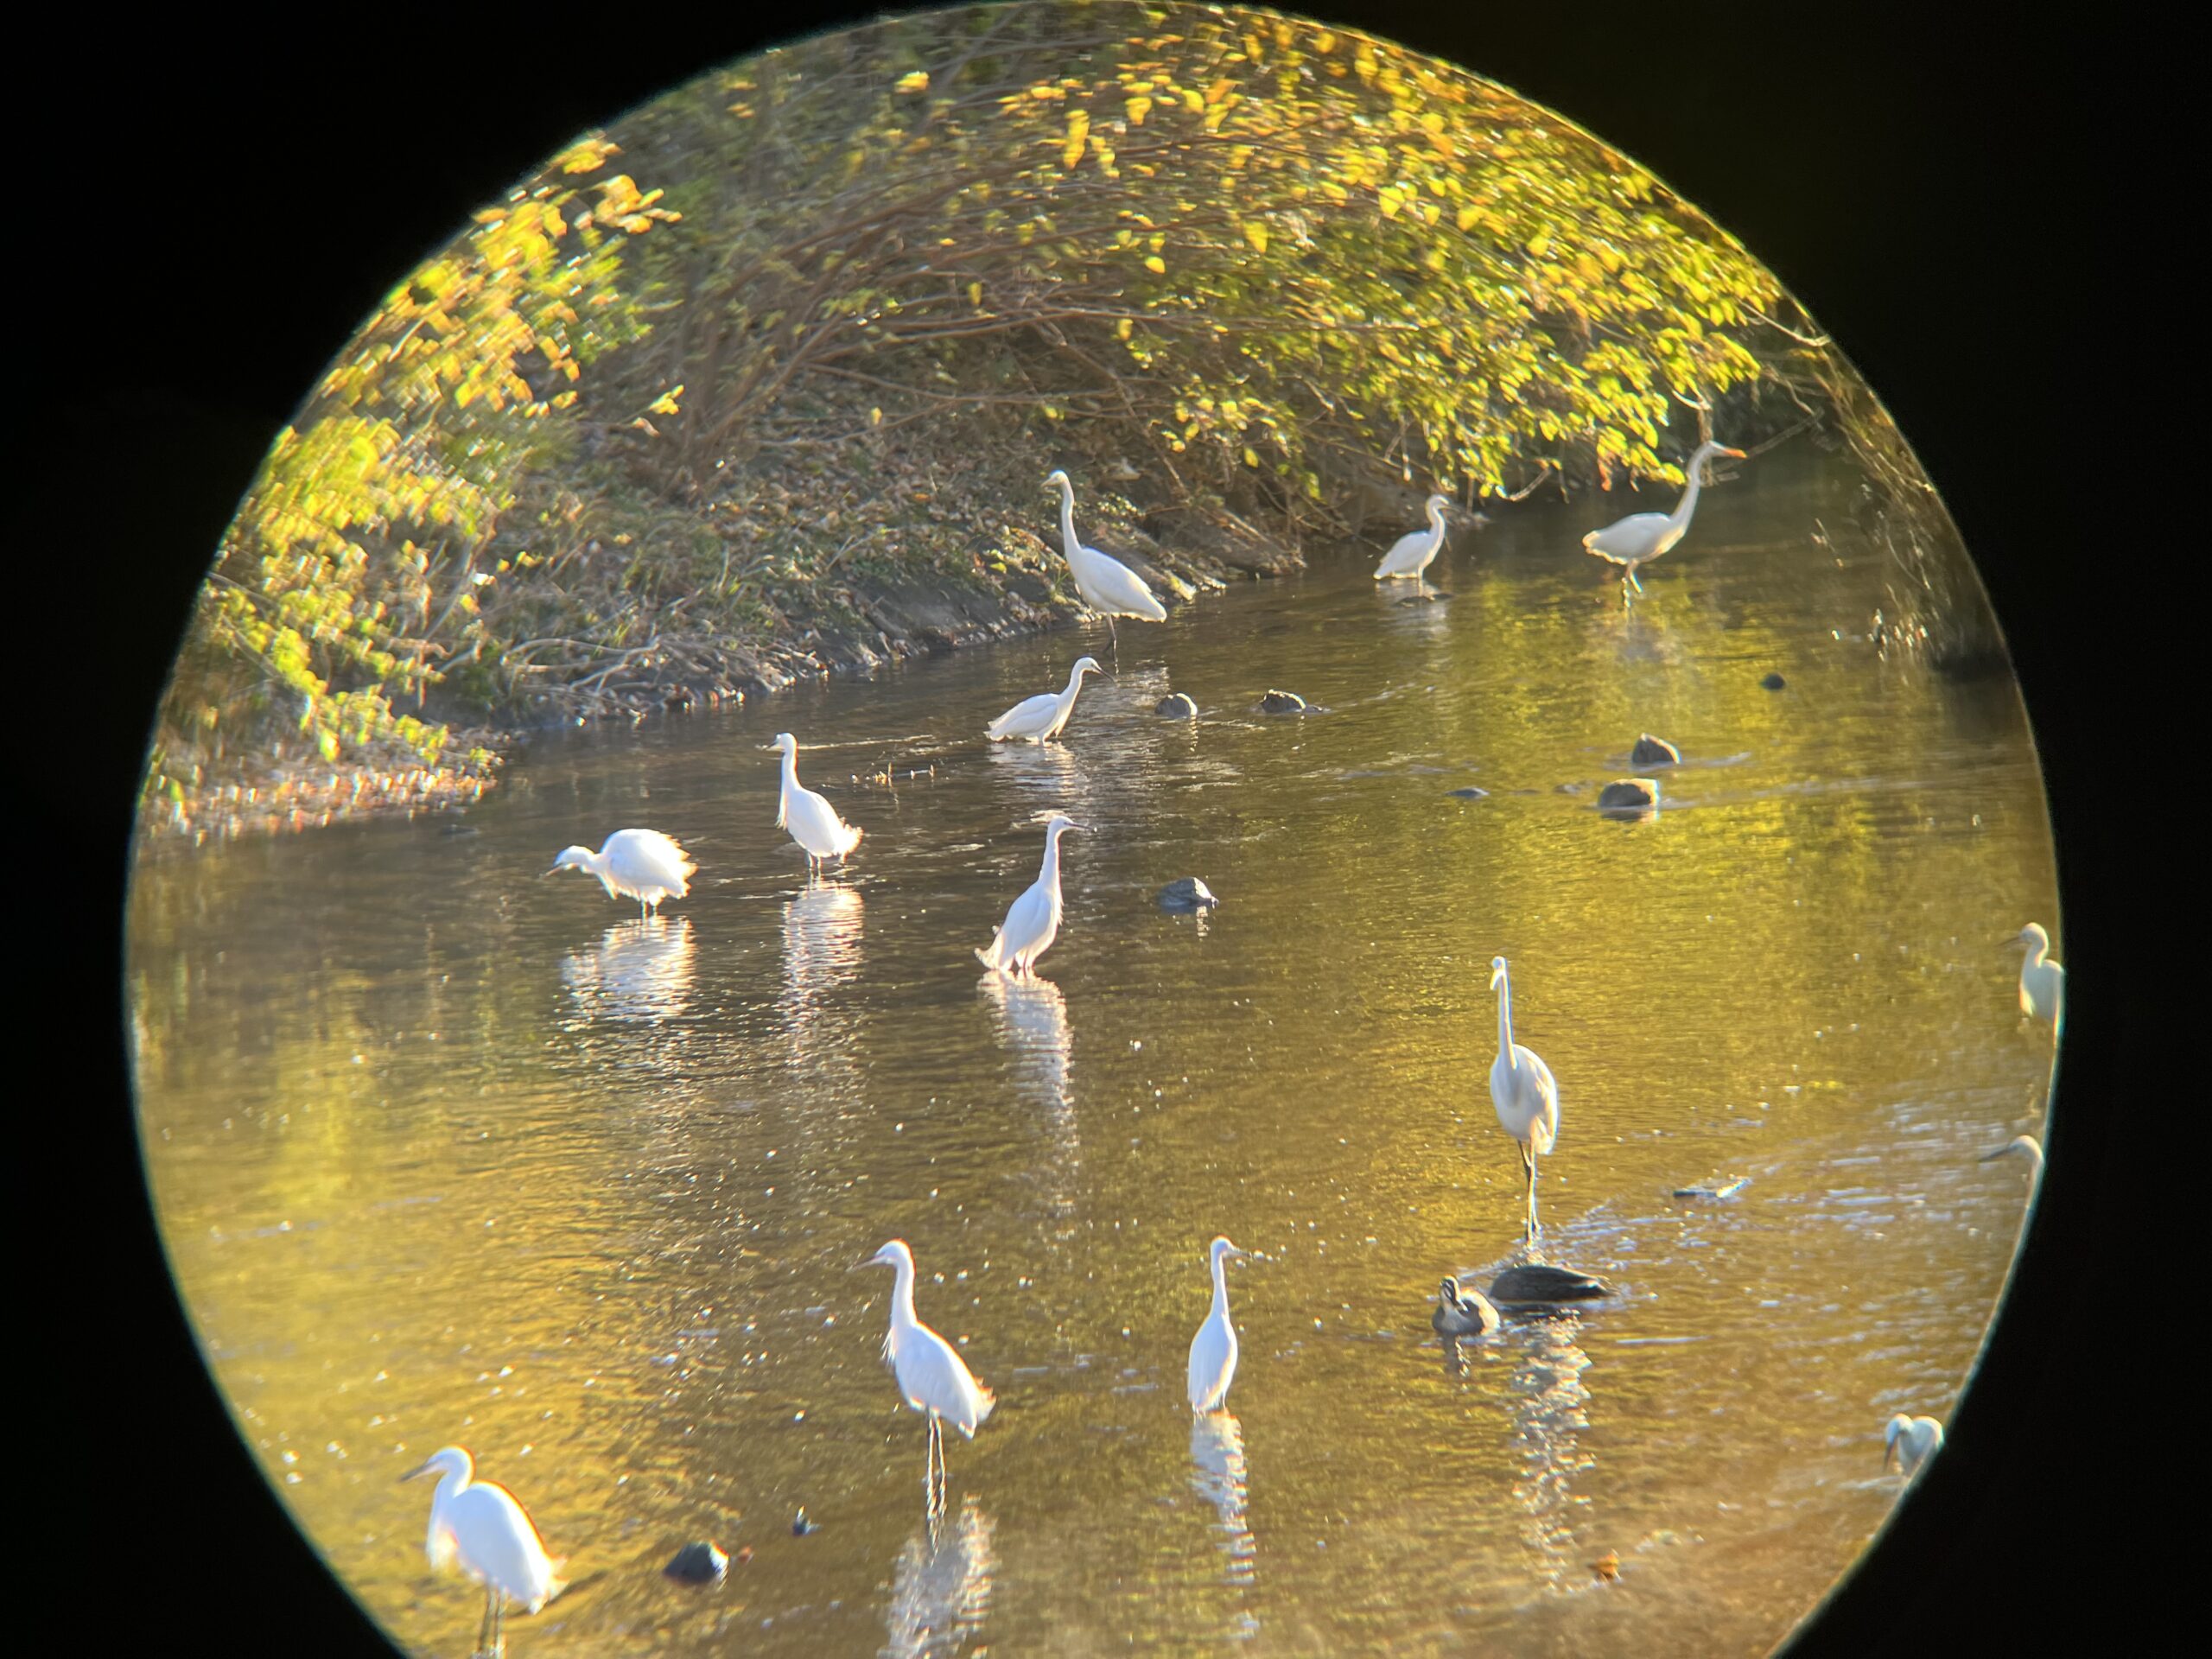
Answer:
(763, 381)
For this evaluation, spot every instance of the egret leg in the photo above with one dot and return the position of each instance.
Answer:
(484, 1624)
(499, 1625)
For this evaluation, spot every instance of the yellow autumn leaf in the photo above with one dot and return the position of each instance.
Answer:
(665, 404)
(918, 81)
(1155, 264)
(1250, 460)
(1123, 328)
(875, 417)
(1078, 127)
(1138, 108)
(1256, 234)
(975, 293)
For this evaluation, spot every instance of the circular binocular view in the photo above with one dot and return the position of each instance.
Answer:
(725, 1066)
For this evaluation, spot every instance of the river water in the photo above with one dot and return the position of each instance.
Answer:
(446, 1153)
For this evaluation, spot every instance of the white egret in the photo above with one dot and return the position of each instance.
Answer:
(814, 822)
(640, 864)
(1462, 1312)
(478, 1525)
(933, 1377)
(1410, 555)
(2024, 1146)
(1910, 1441)
(1522, 1089)
(1643, 536)
(1041, 717)
(1034, 921)
(1213, 1350)
(2042, 981)
(1107, 585)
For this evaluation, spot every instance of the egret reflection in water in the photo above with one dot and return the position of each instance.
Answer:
(941, 1587)
(1219, 1475)
(821, 946)
(1032, 1021)
(640, 969)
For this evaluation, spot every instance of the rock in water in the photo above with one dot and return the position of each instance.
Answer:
(1176, 705)
(800, 1525)
(1651, 751)
(1633, 795)
(699, 1563)
(1536, 1285)
(1283, 702)
(1189, 893)
(1774, 682)
(1470, 793)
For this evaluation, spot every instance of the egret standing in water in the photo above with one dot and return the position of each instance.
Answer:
(1034, 921)
(933, 1377)
(1910, 1441)
(478, 1524)
(640, 864)
(1213, 1350)
(1042, 716)
(1107, 585)
(1410, 555)
(1522, 1089)
(1643, 536)
(814, 822)
(2042, 981)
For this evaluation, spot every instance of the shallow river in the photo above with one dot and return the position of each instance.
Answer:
(446, 1152)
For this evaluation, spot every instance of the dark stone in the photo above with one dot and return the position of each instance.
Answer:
(1651, 751)
(800, 1525)
(1774, 682)
(1176, 705)
(1718, 1190)
(699, 1563)
(1536, 1285)
(1283, 702)
(1188, 893)
(1470, 793)
(1629, 795)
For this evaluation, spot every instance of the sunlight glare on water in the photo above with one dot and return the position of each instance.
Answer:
(446, 1152)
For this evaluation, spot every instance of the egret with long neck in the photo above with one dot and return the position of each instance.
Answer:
(1643, 536)
(1107, 585)
(1213, 1350)
(1410, 555)
(1908, 1442)
(2042, 981)
(1041, 717)
(480, 1526)
(1033, 921)
(814, 822)
(1524, 1092)
(640, 864)
(933, 1377)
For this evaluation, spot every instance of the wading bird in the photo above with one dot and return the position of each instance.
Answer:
(1910, 1441)
(477, 1524)
(1643, 536)
(933, 1377)
(1034, 921)
(2042, 981)
(1042, 716)
(640, 864)
(1522, 1089)
(2024, 1146)
(814, 822)
(1410, 555)
(1107, 585)
(1462, 1312)
(1213, 1350)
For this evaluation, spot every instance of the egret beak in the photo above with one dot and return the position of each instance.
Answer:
(1890, 1454)
(555, 870)
(1991, 1157)
(1738, 454)
(420, 1469)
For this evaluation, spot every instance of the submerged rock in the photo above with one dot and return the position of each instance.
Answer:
(1535, 1284)
(1630, 796)
(1176, 705)
(697, 1563)
(1714, 1189)
(1774, 682)
(1283, 702)
(1651, 751)
(800, 1525)
(1188, 893)
(1470, 793)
